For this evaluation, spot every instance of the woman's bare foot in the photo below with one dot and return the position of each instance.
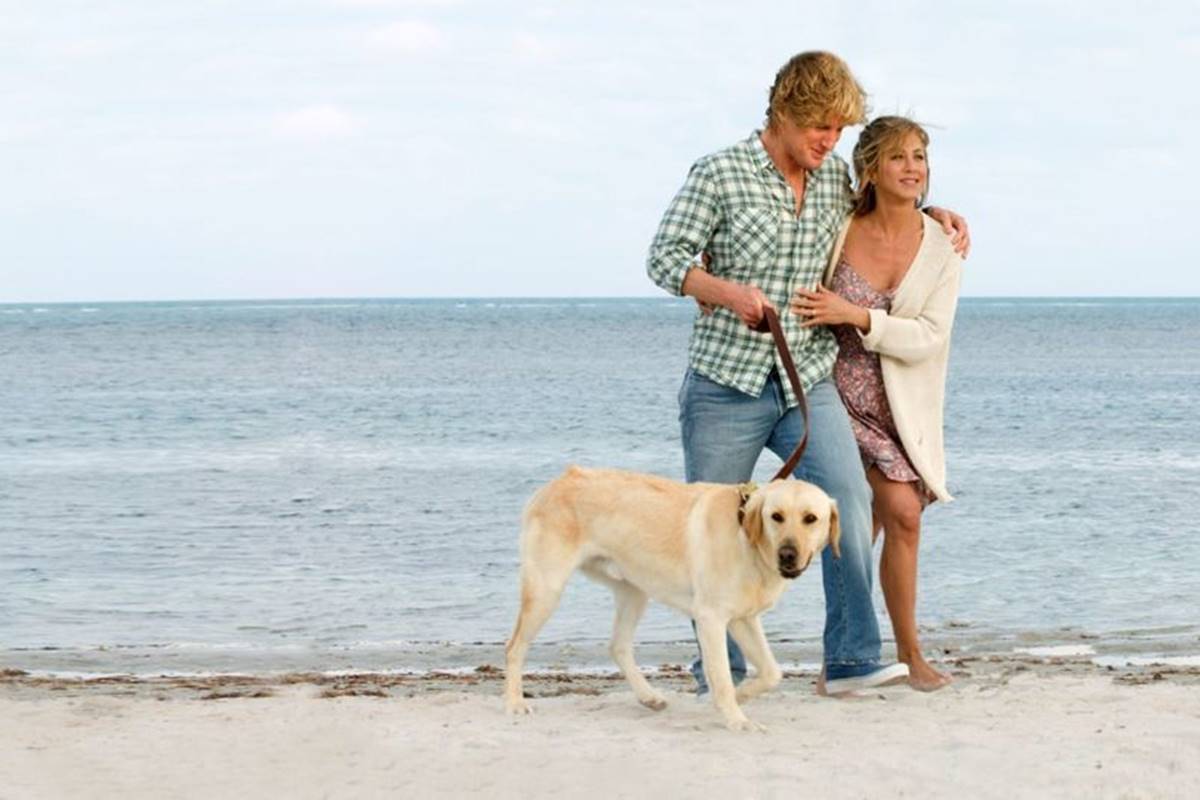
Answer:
(924, 678)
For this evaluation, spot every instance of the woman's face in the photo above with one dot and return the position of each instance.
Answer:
(903, 171)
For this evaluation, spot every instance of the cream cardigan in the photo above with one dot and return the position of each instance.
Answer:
(913, 343)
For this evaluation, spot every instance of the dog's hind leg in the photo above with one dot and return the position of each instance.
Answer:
(631, 604)
(748, 633)
(541, 587)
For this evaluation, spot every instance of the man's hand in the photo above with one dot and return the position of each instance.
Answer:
(709, 292)
(955, 227)
(749, 303)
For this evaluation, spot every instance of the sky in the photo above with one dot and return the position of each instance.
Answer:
(161, 149)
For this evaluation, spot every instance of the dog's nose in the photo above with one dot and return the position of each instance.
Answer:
(788, 555)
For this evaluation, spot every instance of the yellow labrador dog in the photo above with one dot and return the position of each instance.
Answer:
(720, 554)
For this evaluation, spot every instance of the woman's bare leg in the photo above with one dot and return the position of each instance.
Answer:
(898, 509)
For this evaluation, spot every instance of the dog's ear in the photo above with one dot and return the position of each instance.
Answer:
(835, 529)
(750, 515)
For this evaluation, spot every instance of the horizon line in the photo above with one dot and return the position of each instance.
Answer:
(524, 298)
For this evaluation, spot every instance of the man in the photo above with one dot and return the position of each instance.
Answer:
(766, 211)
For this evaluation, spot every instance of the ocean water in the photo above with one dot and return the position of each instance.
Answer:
(337, 484)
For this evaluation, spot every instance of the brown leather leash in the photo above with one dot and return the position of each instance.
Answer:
(770, 323)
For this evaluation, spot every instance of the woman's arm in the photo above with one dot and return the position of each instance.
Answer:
(912, 339)
(823, 306)
(905, 338)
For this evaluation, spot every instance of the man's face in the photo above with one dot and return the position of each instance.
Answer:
(808, 146)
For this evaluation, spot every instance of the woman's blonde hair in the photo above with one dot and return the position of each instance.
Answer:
(816, 88)
(882, 135)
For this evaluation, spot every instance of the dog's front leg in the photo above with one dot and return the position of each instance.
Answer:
(711, 632)
(749, 635)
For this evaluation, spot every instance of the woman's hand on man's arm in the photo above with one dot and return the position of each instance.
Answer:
(822, 307)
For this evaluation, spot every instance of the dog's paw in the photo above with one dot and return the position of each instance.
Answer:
(744, 724)
(654, 702)
(518, 707)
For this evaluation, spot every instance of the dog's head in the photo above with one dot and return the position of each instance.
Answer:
(790, 521)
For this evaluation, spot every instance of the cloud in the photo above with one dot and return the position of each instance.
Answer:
(395, 3)
(533, 128)
(317, 123)
(84, 47)
(408, 37)
(530, 47)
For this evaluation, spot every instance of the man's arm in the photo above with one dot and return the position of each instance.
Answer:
(743, 299)
(954, 226)
(686, 229)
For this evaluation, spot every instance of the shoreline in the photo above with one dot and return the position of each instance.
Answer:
(983, 669)
(1165, 647)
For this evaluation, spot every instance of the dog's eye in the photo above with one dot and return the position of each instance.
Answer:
(810, 518)
(777, 517)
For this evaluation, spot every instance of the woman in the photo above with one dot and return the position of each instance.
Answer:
(893, 287)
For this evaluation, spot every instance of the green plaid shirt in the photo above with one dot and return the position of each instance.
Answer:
(736, 206)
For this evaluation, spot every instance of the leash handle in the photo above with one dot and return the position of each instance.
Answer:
(770, 323)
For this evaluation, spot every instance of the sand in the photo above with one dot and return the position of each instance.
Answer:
(1008, 727)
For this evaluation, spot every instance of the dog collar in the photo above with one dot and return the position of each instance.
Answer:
(744, 491)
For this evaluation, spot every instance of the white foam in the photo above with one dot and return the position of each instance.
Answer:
(278, 306)
(1147, 661)
(1057, 651)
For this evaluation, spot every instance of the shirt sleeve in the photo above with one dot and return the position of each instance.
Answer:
(685, 230)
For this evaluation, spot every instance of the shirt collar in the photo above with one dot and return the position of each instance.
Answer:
(759, 153)
(765, 164)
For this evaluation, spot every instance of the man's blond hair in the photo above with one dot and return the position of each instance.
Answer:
(814, 89)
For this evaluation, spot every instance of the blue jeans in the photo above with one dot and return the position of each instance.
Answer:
(725, 430)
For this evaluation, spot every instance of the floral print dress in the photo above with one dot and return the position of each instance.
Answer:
(859, 380)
